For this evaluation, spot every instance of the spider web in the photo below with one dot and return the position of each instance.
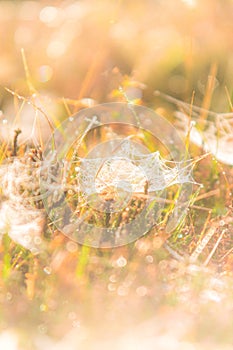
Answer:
(217, 136)
(130, 170)
(19, 216)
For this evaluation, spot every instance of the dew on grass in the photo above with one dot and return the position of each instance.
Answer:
(48, 270)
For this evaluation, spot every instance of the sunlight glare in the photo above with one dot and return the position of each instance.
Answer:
(190, 3)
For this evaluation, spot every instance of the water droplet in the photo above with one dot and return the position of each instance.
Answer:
(37, 240)
(149, 259)
(113, 279)
(121, 261)
(72, 247)
(111, 287)
(48, 270)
